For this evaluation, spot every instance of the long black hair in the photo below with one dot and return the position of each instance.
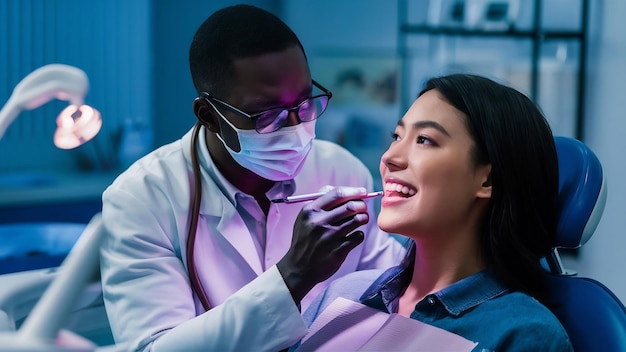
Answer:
(510, 133)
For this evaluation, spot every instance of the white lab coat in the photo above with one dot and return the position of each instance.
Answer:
(145, 283)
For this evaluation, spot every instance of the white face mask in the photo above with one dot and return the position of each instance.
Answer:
(276, 156)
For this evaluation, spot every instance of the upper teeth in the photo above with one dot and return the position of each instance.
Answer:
(396, 187)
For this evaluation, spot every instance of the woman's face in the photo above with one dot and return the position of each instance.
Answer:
(431, 183)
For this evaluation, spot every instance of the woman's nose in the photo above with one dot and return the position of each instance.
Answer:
(393, 158)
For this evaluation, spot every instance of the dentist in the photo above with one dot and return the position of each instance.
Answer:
(196, 256)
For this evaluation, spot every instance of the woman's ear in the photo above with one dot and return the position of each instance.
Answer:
(484, 173)
(205, 114)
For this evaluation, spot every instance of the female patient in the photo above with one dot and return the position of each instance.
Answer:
(471, 176)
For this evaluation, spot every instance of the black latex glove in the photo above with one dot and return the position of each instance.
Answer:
(322, 238)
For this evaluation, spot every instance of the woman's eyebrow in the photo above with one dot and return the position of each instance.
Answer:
(431, 124)
(426, 124)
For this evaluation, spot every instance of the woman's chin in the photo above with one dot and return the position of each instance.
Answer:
(387, 222)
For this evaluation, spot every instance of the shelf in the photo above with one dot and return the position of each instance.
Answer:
(36, 189)
(536, 35)
(512, 33)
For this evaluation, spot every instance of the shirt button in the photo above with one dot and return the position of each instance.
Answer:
(431, 300)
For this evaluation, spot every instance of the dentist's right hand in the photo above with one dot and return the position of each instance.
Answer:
(322, 238)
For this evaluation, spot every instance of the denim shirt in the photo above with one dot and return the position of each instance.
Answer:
(478, 308)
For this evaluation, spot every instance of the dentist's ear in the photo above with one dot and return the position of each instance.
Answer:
(205, 114)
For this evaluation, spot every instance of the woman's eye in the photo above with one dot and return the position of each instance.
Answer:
(394, 136)
(424, 140)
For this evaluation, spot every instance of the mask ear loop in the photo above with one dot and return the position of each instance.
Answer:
(196, 285)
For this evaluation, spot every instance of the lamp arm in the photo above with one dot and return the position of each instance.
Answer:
(52, 81)
(8, 113)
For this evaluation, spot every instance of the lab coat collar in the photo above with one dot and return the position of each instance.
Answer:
(224, 206)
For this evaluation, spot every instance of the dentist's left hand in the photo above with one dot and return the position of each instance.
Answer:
(322, 238)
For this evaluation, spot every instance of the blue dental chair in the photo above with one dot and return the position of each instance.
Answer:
(592, 315)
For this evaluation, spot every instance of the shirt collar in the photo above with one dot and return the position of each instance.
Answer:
(470, 292)
(456, 298)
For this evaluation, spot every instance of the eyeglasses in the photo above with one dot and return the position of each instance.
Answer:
(274, 119)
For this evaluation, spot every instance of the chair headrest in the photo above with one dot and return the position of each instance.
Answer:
(582, 192)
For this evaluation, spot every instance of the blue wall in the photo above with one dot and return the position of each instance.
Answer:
(109, 40)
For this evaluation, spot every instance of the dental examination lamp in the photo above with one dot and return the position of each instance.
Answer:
(42, 330)
(76, 124)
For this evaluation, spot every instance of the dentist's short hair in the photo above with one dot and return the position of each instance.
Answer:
(234, 32)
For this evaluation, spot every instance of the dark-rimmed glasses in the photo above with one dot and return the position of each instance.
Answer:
(274, 119)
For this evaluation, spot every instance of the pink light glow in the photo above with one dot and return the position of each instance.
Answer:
(76, 126)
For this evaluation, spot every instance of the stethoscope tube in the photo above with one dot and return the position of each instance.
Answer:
(194, 279)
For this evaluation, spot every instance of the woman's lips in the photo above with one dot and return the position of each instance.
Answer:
(396, 192)
(393, 188)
